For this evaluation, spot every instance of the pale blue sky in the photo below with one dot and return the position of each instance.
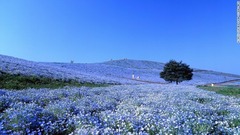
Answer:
(200, 33)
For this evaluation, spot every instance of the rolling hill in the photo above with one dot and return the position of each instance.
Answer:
(112, 72)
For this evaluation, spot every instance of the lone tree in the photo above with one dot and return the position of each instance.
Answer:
(176, 72)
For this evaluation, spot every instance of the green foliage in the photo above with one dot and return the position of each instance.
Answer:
(224, 90)
(200, 128)
(176, 72)
(222, 112)
(234, 123)
(202, 100)
(17, 82)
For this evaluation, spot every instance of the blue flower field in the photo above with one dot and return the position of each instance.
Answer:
(124, 109)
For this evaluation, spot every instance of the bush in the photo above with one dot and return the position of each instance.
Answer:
(176, 72)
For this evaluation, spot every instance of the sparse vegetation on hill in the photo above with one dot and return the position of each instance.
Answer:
(18, 81)
(176, 72)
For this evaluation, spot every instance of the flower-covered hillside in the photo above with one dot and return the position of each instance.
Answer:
(19, 66)
(124, 109)
(114, 71)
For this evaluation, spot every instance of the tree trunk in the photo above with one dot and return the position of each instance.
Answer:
(177, 82)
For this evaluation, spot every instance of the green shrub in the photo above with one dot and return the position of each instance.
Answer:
(18, 81)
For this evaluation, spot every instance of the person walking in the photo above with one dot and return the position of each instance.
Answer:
(133, 77)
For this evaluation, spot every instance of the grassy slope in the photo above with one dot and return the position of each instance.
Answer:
(17, 82)
(224, 90)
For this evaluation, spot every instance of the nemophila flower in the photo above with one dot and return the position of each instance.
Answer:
(126, 109)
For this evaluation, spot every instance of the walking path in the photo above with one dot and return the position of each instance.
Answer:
(145, 81)
(229, 81)
(152, 82)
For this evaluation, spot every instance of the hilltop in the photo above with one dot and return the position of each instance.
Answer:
(112, 72)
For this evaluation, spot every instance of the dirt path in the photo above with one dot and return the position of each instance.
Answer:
(151, 82)
(145, 81)
(218, 83)
(229, 81)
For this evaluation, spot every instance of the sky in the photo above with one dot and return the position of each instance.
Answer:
(200, 33)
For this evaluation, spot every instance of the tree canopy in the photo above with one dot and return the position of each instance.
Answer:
(176, 72)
